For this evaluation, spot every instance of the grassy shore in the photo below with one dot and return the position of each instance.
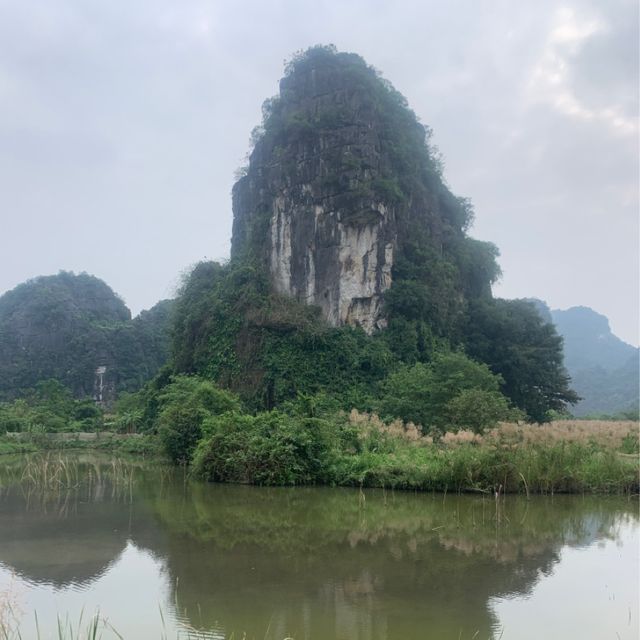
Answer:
(578, 456)
(142, 445)
(561, 457)
(575, 456)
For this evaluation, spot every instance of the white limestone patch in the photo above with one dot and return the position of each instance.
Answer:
(280, 255)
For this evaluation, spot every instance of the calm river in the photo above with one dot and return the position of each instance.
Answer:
(160, 556)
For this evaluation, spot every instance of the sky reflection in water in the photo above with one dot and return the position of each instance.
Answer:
(167, 555)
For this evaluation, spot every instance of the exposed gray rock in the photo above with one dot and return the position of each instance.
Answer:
(343, 191)
(327, 238)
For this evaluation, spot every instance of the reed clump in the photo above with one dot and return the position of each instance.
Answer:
(54, 475)
(93, 628)
(10, 612)
(369, 426)
(576, 456)
(601, 433)
(558, 468)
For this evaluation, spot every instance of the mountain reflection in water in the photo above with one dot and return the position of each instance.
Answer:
(300, 562)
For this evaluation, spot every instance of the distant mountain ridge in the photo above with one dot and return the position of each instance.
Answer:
(589, 341)
(605, 370)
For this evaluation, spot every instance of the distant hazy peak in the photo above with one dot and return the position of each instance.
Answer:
(604, 369)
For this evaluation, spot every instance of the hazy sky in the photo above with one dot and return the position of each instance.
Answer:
(122, 122)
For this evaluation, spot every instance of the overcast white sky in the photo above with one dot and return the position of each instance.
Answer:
(122, 122)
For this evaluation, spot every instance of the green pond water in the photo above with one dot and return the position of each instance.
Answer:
(160, 556)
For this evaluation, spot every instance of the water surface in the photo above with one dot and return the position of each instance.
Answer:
(161, 556)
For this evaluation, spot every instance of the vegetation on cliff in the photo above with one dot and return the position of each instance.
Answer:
(232, 327)
(341, 140)
(605, 371)
(448, 358)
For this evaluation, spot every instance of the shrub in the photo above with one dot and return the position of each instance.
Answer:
(180, 429)
(631, 443)
(452, 390)
(478, 410)
(271, 448)
(184, 405)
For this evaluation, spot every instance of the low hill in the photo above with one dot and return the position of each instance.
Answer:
(66, 326)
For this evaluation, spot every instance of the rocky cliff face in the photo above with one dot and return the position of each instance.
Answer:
(323, 202)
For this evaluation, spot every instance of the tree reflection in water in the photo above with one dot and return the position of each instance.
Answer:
(303, 562)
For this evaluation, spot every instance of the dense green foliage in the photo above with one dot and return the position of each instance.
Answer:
(271, 448)
(65, 326)
(269, 348)
(452, 391)
(231, 328)
(49, 407)
(275, 448)
(184, 404)
(512, 338)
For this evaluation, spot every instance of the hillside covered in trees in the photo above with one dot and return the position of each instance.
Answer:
(353, 327)
(353, 283)
(65, 326)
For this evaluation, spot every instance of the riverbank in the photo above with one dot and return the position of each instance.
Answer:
(580, 456)
(562, 457)
(536, 469)
(559, 457)
(132, 444)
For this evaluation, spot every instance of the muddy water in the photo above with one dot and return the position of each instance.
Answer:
(157, 555)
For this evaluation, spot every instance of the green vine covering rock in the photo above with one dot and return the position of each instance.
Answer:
(351, 264)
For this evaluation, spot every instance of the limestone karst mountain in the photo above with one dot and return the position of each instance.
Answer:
(343, 196)
(605, 371)
(351, 258)
(351, 261)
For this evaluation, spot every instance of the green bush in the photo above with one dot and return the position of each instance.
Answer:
(51, 408)
(477, 410)
(631, 443)
(271, 448)
(180, 429)
(184, 405)
(451, 391)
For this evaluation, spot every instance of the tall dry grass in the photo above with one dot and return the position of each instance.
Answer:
(371, 425)
(604, 434)
(10, 611)
(601, 433)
